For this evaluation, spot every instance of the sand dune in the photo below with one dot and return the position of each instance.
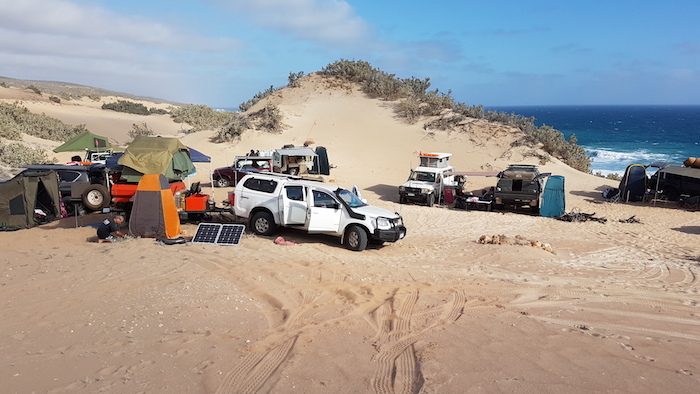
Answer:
(615, 307)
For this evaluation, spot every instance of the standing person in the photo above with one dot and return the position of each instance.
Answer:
(109, 230)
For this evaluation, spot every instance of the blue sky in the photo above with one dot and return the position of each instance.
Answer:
(496, 53)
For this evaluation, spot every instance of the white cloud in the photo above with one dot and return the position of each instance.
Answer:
(325, 22)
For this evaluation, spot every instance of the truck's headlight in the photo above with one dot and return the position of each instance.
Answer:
(383, 224)
(426, 191)
(401, 188)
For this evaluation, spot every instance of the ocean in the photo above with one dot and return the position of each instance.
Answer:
(617, 136)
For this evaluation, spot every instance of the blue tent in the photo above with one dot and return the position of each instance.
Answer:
(553, 198)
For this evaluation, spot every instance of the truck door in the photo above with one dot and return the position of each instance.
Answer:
(293, 206)
(324, 212)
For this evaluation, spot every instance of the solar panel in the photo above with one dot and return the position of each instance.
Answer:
(230, 234)
(220, 234)
(206, 233)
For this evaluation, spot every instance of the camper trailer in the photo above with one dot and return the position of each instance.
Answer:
(676, 183)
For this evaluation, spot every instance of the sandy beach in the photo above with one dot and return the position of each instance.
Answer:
(614, 307)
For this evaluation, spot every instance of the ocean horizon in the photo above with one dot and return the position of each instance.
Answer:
(615, 136)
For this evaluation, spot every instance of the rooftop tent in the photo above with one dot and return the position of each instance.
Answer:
(553, 197)
(156, 155)
(29, 191)
(83, 141)
(633, 185)
(154, 214)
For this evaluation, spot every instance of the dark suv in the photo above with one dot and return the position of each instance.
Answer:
(242, 165)
(519, 187)
(81, 187)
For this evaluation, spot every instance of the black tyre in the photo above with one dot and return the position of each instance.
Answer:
(95, 197)
(431, 199)
(262, 223)
(402, 199)
(294, 171)
(222, 182)
(356, 238)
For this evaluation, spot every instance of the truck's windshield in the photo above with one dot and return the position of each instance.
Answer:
(422, 176)
(350, 198)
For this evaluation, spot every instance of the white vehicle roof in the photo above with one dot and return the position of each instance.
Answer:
(433, 169)
(439, 155)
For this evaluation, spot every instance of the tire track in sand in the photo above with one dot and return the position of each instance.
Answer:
(397, 369)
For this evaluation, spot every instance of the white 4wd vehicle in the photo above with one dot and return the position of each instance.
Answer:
(428, 181)
(271, 200)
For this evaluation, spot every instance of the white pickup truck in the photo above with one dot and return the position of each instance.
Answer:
(270, 200)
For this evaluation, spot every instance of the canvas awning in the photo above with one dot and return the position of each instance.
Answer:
(83, 141)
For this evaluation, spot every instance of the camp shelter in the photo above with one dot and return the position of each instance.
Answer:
(156, 155)
(633, 185)
(321, 165)
(154, 214)
(83, 141)
(553, 197)
(29, 199)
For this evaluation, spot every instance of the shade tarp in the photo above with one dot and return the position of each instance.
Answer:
(154, 214)
(156, 155)
(83, 141)
(553, 197)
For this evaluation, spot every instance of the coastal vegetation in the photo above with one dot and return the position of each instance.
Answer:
(131, 107)
(200, 117)
(16, 119)
(16, 154)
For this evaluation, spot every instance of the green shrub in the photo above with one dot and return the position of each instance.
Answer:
(34, 89)
(200, 117)
(17, 155)
(157, 111)
(127, 107)
(258, 96)
(140, 130)
(41, 126)
(233, 129)
(350, 70)
(294, 79)
(4, 84)
(55, 99)
(269, 118)
(9, 128)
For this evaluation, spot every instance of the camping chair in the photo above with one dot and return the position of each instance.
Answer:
(196, 188)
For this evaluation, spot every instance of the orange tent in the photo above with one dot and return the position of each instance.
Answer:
(154, 214)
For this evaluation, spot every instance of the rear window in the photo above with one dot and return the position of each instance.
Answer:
(261, 185)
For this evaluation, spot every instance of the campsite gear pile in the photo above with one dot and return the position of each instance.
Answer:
(580, 217)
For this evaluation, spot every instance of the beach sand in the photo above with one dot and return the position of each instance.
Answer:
(614, 307)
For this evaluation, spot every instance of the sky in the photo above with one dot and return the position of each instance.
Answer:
(493, 53)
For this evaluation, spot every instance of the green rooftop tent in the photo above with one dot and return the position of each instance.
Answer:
(156, 155)
(29, 199)
(83, 141)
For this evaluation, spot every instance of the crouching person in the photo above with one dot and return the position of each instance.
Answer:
(109, 230)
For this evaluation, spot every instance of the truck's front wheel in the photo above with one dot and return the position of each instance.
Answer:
(356, 238)
(431, 199)
(263, 223)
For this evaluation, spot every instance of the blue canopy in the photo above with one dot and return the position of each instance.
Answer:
(198, 157)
